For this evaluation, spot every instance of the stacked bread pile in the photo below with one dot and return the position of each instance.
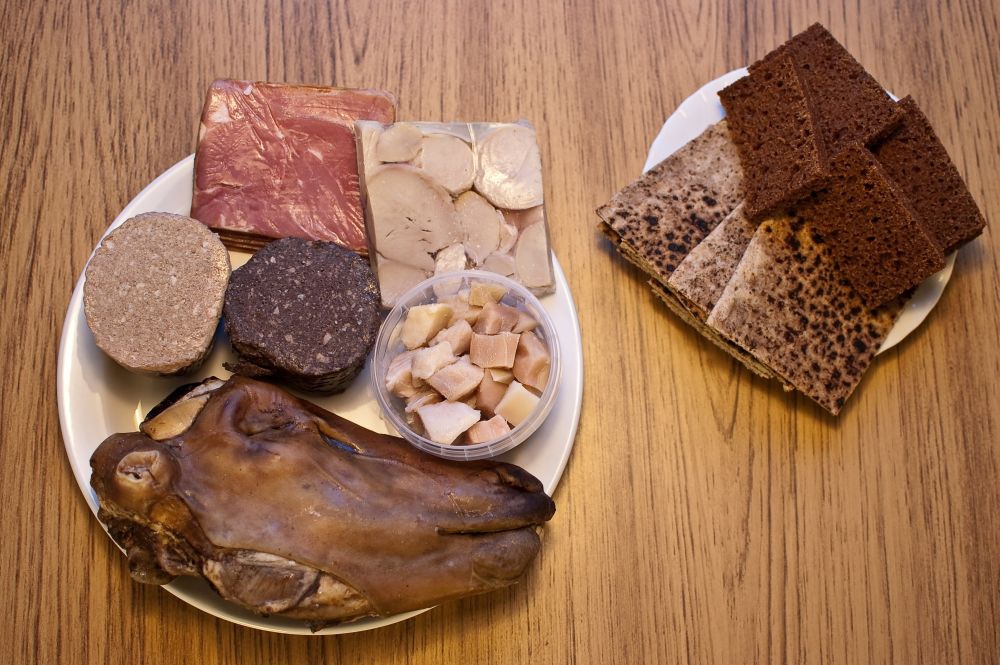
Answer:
(792, 233)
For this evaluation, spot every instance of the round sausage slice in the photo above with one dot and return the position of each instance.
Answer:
(153, 293)
(303, 312)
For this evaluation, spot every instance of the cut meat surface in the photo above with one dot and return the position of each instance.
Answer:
(278, 161)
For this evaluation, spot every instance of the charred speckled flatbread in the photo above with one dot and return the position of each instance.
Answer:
(655, 221)
(790, 307)
(702, 276)
(303, 312)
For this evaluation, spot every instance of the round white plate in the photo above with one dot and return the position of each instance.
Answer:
(703, 109)
(98, 398)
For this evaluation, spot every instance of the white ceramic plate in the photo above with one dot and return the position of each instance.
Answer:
(703, 109)
(98, 398)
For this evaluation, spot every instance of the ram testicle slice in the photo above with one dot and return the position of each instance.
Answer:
(413, 217)
(480, 224)
(448, 160)
(510, 168)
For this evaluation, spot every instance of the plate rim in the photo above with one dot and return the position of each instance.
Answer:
(65, 363)
(927, 294)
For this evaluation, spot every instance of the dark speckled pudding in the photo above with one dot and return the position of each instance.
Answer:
(304, 313)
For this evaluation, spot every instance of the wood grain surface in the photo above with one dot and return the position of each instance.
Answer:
(705, 516)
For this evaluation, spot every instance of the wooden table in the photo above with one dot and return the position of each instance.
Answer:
(704, 516)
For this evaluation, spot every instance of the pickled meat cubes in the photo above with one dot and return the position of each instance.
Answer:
(446, 197)
(468, 378)
(277, 161)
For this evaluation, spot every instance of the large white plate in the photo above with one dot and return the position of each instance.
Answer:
(703, 109)
(98, 398)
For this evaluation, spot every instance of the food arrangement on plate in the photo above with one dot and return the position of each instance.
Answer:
(281, 506)
(792, 233)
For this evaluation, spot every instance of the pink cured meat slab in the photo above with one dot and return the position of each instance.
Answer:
(277, 160)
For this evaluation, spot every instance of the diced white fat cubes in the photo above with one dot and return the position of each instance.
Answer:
(517, 404)
(399, 377)
(496, 318)
(489, 394)
(428, 360)
(493, 350)
(469, 359)
(457, 379)
(487, 430)
(446, 421)
(483, 292)
(458, 334)
(525, 322)
(423, 322)
(502, 375)
(532, 361)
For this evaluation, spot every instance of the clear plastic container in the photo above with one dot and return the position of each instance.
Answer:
(388, 346)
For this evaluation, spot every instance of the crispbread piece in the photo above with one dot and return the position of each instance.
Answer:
(849, 104)
(656, 220)
(917, 162)
(773, 126)
(788, 306)
(153, 293)
(872, 232)
(703, 274)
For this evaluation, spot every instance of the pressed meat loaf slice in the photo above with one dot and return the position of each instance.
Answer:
(304, 313)
(917, 162)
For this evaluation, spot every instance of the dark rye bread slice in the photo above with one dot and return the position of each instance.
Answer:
(304, 313)
(849, 104)
(875, 236)
(917, 162)
(789, 307)
(655, 221)
(773, 125)
(702, 276)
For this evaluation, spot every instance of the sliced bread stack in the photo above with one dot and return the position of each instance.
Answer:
(830, 203)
